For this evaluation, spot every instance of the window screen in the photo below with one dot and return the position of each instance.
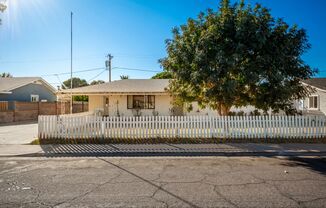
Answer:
(141, 102)
(313, 102)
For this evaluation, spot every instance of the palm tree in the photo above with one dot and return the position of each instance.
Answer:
(124, 76)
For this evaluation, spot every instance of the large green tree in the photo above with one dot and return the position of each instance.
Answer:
(76, 82)
(236, 56)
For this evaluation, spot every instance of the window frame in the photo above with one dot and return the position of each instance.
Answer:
(314, 102)
(37, 98)
(146, 102)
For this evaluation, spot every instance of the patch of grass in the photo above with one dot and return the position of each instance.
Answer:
(36, 141)
(159, 140)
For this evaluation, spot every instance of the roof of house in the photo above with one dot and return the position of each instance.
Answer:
(123, 86)
(316, 82)
(8, 84)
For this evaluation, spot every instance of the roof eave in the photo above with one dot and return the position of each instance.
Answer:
(5, 93)
(110, 93)
(314, 87)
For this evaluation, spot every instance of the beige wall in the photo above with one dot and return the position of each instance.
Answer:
(119, 103)
(208, 111)
(95, 102)
(321, 103)
(162, 106)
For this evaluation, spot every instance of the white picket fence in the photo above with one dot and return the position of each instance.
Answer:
(85, 127)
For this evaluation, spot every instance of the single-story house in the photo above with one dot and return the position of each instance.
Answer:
(26, 89)
(316, 102)
(129, 97)
(132, 97)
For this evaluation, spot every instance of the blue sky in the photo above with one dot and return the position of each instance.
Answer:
(35, 34)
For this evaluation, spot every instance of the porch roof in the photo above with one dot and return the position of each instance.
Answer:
(131, 86)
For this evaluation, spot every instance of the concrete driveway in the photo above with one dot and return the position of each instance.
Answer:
(19, 133)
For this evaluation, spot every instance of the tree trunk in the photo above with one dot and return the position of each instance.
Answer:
(223, 110)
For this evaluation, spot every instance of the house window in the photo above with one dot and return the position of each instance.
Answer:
(34, 98)
(313, 102)
(141, 102)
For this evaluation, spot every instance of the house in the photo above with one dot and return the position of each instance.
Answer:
(129, 97)
(27, 89)
(316, 103)
(135, 97)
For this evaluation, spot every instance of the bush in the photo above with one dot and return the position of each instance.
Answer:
(255, 113)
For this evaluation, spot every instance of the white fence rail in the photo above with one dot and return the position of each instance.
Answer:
(85, 127)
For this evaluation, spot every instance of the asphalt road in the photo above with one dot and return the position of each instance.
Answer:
(163, 182)
(18, 133)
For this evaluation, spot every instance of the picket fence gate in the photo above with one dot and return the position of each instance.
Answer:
(86, 127)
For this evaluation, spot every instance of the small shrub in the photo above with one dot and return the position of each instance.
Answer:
(255, 113)
(231, 113)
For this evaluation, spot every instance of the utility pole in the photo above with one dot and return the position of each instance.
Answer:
(108, 65)
(71, 63)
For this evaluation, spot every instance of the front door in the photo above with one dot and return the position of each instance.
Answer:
(106, 105)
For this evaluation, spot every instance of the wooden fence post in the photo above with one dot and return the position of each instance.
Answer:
(14, 116)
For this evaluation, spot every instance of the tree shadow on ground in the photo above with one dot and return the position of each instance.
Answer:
(313, 163)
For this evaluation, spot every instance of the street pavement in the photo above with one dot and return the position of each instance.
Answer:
(18, 133)
(163, 182)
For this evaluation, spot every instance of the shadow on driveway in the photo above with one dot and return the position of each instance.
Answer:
(312, 163)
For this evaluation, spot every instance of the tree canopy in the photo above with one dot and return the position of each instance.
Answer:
(163, 75)
(236, 56)
(95, 82)
(3, 7)
(124, 76)
(4, 74)
(76, 82)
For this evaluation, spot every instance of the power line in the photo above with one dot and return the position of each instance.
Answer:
(64, 73)
(133, 69)
(87, 57)
(97, 75)
(61, 82)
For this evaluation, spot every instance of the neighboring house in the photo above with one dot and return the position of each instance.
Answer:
(27, 89)
(132, 97)
(316, 103)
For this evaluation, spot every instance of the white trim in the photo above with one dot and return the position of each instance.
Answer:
(114, 93)
(6, 93)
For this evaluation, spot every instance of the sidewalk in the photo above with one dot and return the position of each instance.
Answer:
(228, 149)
